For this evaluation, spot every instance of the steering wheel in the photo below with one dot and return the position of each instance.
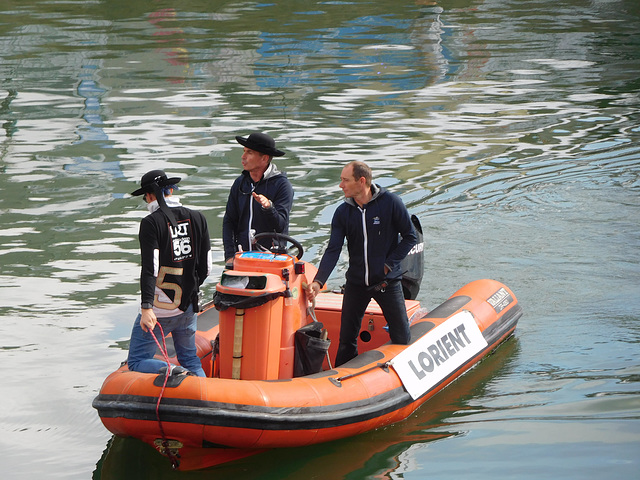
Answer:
(282, 249)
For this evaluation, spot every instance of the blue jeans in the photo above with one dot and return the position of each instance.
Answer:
(354, 305)
(142, 347)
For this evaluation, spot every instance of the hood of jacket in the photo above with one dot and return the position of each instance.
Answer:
(270, 172)
(376, 191)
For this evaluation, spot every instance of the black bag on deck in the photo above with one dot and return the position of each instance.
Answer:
(413, 264)
(310, 350)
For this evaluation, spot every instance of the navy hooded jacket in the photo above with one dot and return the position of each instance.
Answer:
(378, 234)
(244, 214)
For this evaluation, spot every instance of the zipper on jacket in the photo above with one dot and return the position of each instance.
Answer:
(250, 220)
(366, 242)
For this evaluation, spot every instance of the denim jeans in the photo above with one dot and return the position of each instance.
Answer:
(183, 330)
(354, 305)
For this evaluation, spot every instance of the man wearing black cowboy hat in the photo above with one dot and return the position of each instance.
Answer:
(176, 258)
(260, 199)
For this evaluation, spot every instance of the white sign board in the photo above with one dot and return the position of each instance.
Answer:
(438, 353)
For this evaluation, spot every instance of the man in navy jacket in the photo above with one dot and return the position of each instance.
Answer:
(379, 235)
(260, 199)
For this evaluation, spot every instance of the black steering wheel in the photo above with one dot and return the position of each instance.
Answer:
(277, 248)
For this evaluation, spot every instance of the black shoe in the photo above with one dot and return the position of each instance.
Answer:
(175, 371)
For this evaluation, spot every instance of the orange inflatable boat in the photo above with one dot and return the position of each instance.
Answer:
(270, 382)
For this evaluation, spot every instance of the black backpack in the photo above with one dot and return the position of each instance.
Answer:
(413, 264)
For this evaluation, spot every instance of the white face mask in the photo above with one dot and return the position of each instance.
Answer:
(153, 206)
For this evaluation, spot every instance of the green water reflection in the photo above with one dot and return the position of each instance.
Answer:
(510, 128)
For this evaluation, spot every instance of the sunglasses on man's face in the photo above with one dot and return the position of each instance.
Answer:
(243, 189)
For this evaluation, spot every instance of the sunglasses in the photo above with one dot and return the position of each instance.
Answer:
(243, 190)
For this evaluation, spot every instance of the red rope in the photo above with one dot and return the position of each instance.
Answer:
(165, 441)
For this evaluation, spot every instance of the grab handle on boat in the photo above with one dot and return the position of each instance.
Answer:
(338, 381)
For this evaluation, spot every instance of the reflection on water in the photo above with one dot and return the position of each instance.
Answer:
(510, 128)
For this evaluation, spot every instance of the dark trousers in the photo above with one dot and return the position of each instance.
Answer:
(354, 304)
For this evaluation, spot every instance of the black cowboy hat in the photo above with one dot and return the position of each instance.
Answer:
(261, 142)
(154, 177)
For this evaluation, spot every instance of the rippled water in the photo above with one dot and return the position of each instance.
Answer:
(510, 128)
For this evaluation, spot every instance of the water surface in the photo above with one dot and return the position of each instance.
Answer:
(510, 128)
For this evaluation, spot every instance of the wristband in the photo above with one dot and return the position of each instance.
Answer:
(146, 305)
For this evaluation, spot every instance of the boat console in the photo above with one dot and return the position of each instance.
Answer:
(262, 302)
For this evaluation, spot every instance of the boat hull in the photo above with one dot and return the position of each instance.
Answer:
(223, 418)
